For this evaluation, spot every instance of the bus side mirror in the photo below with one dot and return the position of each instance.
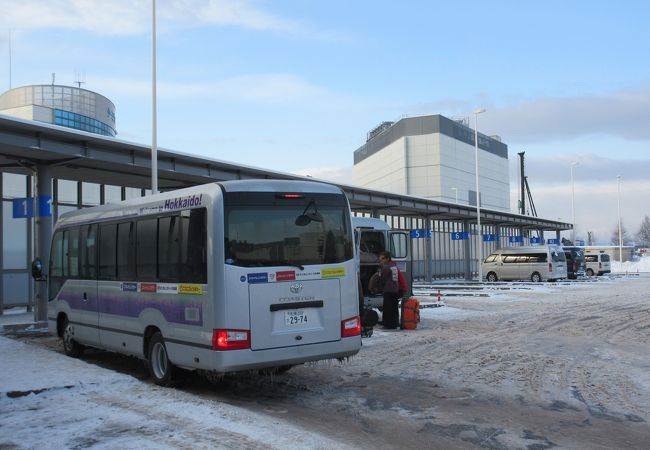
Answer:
(37, 270)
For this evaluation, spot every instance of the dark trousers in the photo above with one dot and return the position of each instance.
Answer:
(390, 313)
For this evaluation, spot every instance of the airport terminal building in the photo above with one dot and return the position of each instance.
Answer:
(434, 157)
(67, 106)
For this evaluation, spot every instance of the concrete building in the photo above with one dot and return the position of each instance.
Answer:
(67, 106)
(434, 157)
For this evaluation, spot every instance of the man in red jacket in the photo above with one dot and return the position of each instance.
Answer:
(389, 284)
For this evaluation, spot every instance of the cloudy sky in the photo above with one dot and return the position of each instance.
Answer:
(295, 86)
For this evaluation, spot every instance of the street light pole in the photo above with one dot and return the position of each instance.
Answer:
(620, 241)
(154, 109)
(479, 236)
(573, 211)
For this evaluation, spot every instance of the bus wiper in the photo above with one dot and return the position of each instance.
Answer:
(292, 264)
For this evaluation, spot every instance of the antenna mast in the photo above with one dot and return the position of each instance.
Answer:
(10, 59)
(78, 79)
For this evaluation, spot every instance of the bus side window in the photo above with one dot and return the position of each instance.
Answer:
(88, 252)
(56, 265)
(169, 248)
(193, 250)
(72, 252)
(126, 251)
(147, 236)
(107, 251)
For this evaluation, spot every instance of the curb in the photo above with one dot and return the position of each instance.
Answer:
(22, 329)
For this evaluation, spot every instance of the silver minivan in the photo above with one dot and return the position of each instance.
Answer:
(597, 264)
(535, 263)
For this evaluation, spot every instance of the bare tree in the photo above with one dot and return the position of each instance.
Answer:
(624, 236)
(643, 235)
(591, 237)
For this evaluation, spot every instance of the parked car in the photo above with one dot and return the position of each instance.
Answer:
(535, 263)
(575, 262)
(597, 264)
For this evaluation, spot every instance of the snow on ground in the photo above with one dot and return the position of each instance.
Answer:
(73, 404)
(642, 265)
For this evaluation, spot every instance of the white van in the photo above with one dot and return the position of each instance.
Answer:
(535, 263)
(597, 264)
(372, 237)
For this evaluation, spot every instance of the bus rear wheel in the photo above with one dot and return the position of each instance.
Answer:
(162, 371)
(536, 277)
(70, 346)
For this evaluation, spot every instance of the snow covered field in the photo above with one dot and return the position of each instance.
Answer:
(58, 402)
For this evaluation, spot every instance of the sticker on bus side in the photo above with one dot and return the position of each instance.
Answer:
(148, 287)
(332, 272)
(166, 288)
(196, 289)
(285, 275)
(130, 287)
(308, 275)
(261, 277)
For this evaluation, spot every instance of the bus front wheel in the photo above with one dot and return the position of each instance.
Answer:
(70, 346)
(161, 369)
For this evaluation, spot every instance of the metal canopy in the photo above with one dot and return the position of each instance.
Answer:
(80, 156)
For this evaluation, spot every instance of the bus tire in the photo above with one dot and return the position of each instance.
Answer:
(536, 277)
(70, 346)
(590, 273)
(492, 277)
(162, 371)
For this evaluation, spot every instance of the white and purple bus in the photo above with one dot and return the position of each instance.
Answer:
(224, 277)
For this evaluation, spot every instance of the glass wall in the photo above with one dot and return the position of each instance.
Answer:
(90, 194)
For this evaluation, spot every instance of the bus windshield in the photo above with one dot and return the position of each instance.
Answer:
(265, 229)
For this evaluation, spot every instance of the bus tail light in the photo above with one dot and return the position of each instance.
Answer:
(351, 327)
(550, 267)
(289, 196)
(231, 339)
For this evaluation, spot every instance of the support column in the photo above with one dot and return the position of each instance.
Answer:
(428, 248)
(468, 253)
(43, 240)
(29, 181)
(497, 231)
(2, 263)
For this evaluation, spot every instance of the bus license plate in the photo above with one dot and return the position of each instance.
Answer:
(292, 318)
